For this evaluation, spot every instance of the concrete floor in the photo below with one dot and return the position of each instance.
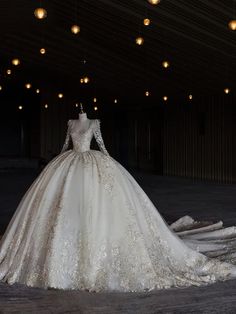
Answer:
(174, 198)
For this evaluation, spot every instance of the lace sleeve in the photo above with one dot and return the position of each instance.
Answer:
(98, 137)
(67, 139)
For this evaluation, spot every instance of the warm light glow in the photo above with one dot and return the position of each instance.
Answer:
(28, 85)
(190, 97)
(15, 61)
(8, 71)
(76, 105)
(227, 90)
(46, 106)
(75, 29)
(0, 87)
(165, 98)
(115, 101)
(165, 64)
(86, 80)
(60, 95)
(37, 91)
(232, 25)
(94, 99)
(154, 1)
(81, 80)
(147, 93)
(40, 13)
(146, 22)
(42, 51)
(139, 41)
(20, 107)
(95, 108)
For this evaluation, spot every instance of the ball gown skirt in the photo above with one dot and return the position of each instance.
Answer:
(85, 223)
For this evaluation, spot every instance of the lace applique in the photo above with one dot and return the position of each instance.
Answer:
(67, 139)
(98, 137)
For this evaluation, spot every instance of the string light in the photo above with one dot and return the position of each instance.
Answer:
(165, 98)
(28, 85)
(139, 41)
(94, 99)
(37, 91)
(81, 80)
(227, 90)
(0, 87)
(42, 51)
(190, 97)
(86, 79)
(147, 93)
(146, 22)
(75, 29)
(15, 61)
(115, 101)
(154, 2)
(232, 25)
(60, 95)
(8, 72)
(165, 64)
(76, 105)
(95, 108)
(46, 106)
(40, 13)
(20, 107)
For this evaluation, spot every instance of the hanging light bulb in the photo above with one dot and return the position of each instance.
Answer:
(75, 29)
(81, 80)
(115, 101)
(15, 61)
(165, 64)
(154, 1)
(0, 87)
(95, 108)
(94, 99)
(139, 40)
(190, 97)
(147, 93)
(76, 105)
(40, 13)
(227, 90)
(28, 85)
(37, 91)
(46, 106)
(232, 25)
(60, 95)
(8, 71)
(20, 107)
(146, 22)
(86, 79)
(165, 98)
(42, 51)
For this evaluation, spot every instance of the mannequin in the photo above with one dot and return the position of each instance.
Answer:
(83, 121)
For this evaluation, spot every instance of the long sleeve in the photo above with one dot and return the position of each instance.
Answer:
(67, 139)
(99, 139)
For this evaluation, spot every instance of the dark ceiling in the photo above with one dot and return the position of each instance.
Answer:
(192, 34)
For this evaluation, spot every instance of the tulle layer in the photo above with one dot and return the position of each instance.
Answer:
(85, 223)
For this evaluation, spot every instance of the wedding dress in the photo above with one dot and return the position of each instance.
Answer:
(85, 223)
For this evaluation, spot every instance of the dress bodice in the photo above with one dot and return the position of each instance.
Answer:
(82, 139)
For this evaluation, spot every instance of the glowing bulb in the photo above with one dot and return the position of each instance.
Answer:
(76, 105)
(81, 80)
(42, 51)
(115, 101)
(9, 72)
(28, 85)
(94, 99)
(95, 108)
(165, 98)
(154, 1)
(147, 93)
(37, 91)
(75, 29)
(227, 90)
(40, 13)
(139, 41)
(60, 95)
(46, 106)
(165, 64)
(232, 25)
(20, 107)
(86, 80)
(0, 87)
(15, 61)
(146, 22)
(190, 97)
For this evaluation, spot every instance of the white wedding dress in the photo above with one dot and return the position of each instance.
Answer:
(85, 223)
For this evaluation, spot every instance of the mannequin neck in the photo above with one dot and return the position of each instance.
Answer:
(83, 116)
